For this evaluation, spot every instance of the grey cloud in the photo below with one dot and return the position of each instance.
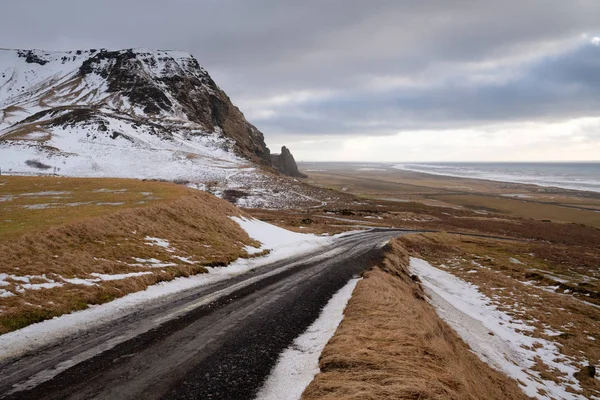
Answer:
(555, 88)
(260, 48)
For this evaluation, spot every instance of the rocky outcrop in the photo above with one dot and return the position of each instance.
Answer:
(286, 164)
(180, 85)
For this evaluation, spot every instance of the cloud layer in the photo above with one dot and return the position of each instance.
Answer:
(351, 70)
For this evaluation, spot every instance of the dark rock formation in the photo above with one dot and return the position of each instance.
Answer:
(587, 372)
(31, 57)
(180, 81)
(286, 164)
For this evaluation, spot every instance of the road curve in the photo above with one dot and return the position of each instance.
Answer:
(213, 342)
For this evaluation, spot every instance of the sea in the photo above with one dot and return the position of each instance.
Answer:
(567, 175)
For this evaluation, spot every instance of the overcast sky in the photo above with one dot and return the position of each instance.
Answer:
(368, 80)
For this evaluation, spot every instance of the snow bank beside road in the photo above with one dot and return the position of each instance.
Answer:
(496, 337)
(281, 242)
(299, 363)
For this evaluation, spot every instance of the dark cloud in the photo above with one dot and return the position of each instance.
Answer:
(550, 89)
(338, 48)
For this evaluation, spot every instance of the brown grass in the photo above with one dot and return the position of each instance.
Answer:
(392, 345)
(551, 287)
(80, 198)
(23, 132)
(542, 203)
(525, 209)
(10, 110)
(196, 224)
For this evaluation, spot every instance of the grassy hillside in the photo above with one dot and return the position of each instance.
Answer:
(68, 243)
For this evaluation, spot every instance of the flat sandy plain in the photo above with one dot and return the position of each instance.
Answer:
(528, 201)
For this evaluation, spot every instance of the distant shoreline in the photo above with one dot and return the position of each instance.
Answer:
(504, 179)
(543, 177)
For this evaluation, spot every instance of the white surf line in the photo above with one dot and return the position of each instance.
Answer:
(496, 337)
(299, 363)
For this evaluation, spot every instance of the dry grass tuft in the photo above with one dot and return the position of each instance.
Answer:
(392, 345)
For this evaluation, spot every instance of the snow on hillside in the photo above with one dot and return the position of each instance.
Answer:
(63, 101)
(134, 153)
(130, 113)
(286, 243)
(32, 81)
(35, 80)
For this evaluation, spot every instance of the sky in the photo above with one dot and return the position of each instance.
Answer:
(376, 80)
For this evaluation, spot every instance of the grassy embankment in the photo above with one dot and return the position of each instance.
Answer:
(553, 288)
(55, 228)
(392, 345)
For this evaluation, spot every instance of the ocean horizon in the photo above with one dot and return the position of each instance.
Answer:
(583, 176)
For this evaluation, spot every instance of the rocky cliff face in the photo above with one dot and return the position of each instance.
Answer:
(286, 164)
(118, 94)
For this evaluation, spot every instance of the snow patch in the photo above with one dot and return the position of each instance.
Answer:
(186, 260)
(299, 363)
(473, 316)
(116, 277)
(164, 243)
(109, 190)
(274, 238)
(254, 250)
(47, 193)
(38, 286)
(518, 195)
(550, 332)
(25, 283)
(151, 263)
(152, 241)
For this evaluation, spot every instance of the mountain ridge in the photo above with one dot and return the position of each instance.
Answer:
(159, 87)
(135, 113)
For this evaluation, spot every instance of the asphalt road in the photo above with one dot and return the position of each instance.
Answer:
(214, 342)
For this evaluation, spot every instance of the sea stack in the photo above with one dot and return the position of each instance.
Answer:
(286, 164)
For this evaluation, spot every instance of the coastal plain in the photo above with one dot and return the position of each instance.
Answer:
(531, 251)
(482, 196)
